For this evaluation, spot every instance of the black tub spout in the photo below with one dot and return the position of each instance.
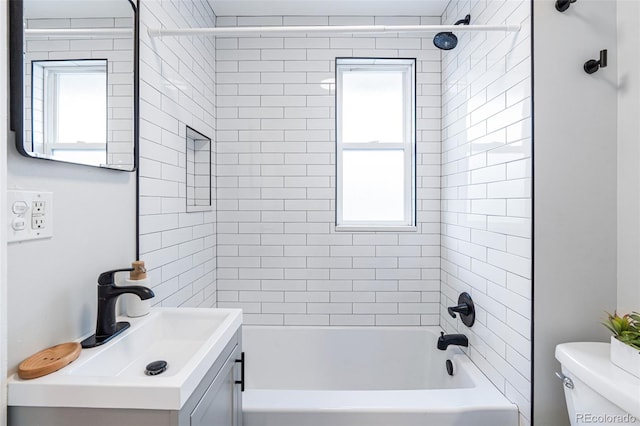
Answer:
(452, 339)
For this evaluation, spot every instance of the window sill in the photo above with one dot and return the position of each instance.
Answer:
(347, 228)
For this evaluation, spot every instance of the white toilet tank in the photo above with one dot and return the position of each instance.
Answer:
(602, 394)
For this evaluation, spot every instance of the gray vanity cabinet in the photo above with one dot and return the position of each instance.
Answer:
(216, 401)
(221, 403)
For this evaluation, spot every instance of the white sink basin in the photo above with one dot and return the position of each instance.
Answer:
(113, 375)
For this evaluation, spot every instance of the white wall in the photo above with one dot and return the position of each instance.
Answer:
(486, 192)
(628, 156)
(177, 88)
(575, 187)
(279, 256)
(52, 283)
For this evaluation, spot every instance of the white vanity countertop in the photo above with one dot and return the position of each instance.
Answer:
(112, 375)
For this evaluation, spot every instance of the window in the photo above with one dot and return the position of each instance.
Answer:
(375, 143)
(70, 109)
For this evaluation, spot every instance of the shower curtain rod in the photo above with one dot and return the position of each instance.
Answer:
(241, 31)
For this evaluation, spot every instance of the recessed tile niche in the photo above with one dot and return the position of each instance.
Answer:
(198, 149)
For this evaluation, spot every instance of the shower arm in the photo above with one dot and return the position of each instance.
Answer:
(465, 21)
(372, 29)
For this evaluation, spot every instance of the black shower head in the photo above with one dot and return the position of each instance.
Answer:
(448, 40)
(445, 41)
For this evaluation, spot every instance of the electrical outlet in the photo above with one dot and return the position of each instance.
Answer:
(37, 207)
(37, 222)
(30, 215)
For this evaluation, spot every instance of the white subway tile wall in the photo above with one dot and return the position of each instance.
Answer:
(270, 245)
(279, 256)
(177, 88)
(486, 191)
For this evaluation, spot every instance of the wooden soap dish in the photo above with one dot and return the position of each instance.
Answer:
(49, 360)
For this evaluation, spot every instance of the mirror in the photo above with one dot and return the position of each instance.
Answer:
(74, 82)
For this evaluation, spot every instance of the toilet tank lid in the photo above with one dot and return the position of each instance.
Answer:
(589, 362)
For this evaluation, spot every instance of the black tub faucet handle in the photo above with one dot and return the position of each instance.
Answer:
(462, 308)
(465, 308)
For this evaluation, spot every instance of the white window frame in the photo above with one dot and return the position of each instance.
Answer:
(51, 96)
(408, 145)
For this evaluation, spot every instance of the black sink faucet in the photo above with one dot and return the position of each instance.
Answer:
(452, 339)
(108, 293)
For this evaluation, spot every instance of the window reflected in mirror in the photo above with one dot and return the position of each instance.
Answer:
(69, 110)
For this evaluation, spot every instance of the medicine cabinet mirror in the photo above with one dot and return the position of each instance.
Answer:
(74, 81)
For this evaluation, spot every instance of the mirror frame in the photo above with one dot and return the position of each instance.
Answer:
(16, 78)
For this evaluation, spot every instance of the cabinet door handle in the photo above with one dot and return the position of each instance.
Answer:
(241, 381)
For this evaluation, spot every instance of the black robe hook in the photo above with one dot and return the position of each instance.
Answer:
(562, 5)
(592, 65)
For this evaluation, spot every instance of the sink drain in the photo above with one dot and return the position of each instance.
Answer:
(156, 367)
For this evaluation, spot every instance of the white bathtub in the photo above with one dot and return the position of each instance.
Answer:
(364, 376)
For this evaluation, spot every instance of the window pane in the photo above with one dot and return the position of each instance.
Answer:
(372, 106)
(373, 185)
(82, 108)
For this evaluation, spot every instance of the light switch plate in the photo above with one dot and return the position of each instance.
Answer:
(30, 215)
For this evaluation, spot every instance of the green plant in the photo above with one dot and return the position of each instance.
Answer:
(625, 328)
